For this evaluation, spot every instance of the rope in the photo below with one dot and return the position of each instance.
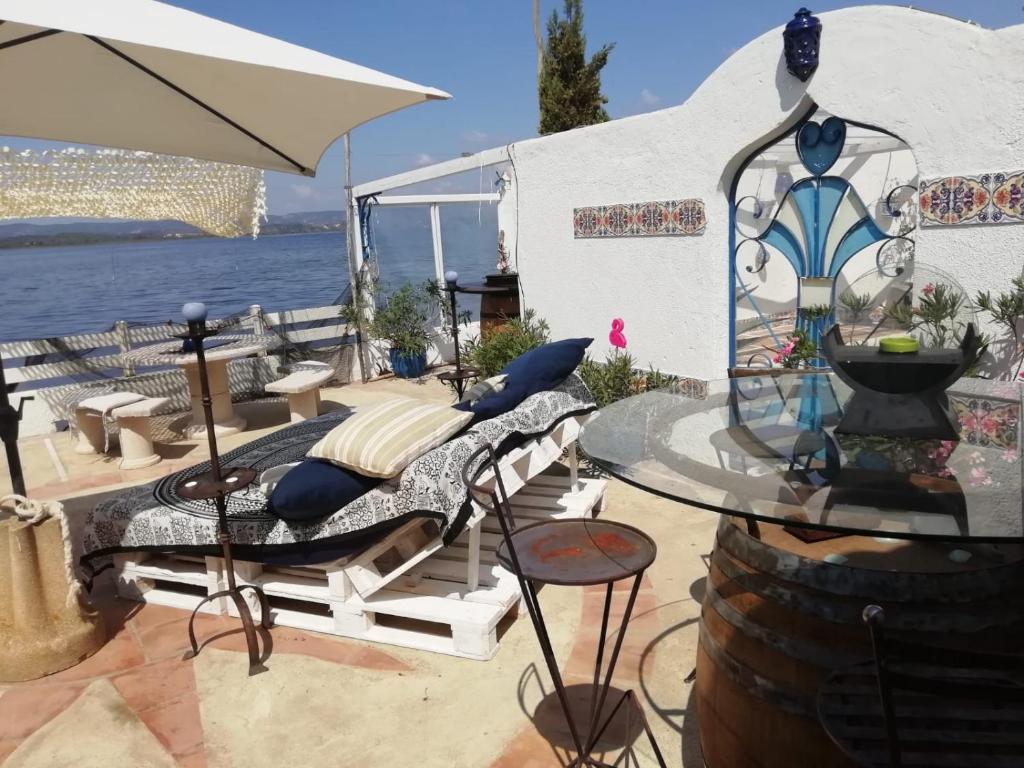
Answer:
(35, 511)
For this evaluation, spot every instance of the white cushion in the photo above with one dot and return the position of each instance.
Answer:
(381, 440)
(482, 389)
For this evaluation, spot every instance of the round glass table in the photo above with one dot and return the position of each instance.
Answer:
(814, 526)
(764, 448)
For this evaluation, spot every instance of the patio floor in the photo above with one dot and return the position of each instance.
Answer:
(328, 701)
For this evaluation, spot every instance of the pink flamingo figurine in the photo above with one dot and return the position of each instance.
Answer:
(615, 337)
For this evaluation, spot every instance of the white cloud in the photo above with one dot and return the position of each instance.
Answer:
(649, 98)
(423, 159)
(475, 137)
(305, 191)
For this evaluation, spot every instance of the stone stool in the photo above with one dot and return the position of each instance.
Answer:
(136, 432)
(303, 388)
(89, 419)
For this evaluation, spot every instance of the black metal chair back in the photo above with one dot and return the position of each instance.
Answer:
(483, 460)
(935, 702)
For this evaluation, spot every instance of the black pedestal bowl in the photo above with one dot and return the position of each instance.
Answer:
(900, 395)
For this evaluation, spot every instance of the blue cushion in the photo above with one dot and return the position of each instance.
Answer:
(315, 489)
(542, 368)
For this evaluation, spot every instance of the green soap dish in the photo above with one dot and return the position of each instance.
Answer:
(899, 345)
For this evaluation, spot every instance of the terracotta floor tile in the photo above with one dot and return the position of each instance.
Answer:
(336, 650)
(194, 760)
(7, 746)
(120, 653)
(156, 684)
(150, 615)
(25, 709)
(177, 725)
(171, 638)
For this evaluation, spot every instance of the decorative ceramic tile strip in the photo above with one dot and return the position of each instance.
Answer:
(988, 422)
(667, 217)
(688, 387)
(990, 198)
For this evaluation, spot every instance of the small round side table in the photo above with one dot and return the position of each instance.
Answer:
(581, 552)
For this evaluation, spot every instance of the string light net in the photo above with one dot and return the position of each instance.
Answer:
(218, 198)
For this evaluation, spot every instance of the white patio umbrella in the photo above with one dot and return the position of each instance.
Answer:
(139, 74)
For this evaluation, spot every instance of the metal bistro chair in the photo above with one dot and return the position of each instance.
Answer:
(576, 552)
(921, 705)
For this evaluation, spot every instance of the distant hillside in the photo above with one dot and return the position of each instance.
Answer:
(57, 233)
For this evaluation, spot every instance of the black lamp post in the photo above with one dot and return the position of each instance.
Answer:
(451, 282)
(460, 375)
(802, 41)
(217, 485)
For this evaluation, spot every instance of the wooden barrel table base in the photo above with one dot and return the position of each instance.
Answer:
(777, 618)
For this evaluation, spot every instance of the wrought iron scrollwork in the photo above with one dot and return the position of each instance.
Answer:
(889, 209)
(762, 258)
(894, 266)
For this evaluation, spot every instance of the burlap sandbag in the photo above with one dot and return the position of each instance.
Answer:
(45, 623)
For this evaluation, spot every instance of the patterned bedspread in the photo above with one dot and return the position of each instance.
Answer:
(154, 517)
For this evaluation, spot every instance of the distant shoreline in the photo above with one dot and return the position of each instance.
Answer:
(70, 239)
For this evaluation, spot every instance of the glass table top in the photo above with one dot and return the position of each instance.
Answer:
(765, 448)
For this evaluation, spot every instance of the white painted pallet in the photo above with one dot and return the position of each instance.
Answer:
(407, 589)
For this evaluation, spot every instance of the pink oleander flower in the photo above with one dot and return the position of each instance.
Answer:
(975, 457)
(979, 476)
(928, 290)
(1009, 455)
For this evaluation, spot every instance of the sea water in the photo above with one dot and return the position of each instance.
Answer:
(69, 290)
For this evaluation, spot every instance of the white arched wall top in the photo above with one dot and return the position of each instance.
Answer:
(952, 90)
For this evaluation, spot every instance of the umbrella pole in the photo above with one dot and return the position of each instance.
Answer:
(9, 418)
(352, 246)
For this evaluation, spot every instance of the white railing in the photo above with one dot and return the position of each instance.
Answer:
(104, 364)
(99, 360)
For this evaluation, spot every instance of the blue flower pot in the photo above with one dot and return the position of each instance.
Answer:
(407, 366)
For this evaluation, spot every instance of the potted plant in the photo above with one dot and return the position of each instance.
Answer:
(403, 320)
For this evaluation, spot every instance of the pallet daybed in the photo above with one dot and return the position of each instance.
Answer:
(408, 589)
(424, 585)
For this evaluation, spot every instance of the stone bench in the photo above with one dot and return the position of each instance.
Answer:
(303, 388)
(137, 433)
(132, 412)
(91, 414)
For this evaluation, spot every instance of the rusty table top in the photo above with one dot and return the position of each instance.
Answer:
(579, 552)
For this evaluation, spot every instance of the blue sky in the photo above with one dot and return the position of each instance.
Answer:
(482, 52)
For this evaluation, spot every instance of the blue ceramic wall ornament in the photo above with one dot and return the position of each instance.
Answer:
(801, 40)
(819, 146)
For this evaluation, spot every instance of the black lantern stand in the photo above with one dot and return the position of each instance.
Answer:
(217, 485)
(460, 375)
(9, 418)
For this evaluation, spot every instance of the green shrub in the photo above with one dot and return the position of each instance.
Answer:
(403, 319)
(499, 347)
(618, 378)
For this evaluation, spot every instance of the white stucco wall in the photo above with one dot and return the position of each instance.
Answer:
(953, 91)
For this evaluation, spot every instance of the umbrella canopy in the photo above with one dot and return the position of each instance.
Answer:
(139, 74)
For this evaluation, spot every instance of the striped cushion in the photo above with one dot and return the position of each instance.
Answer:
(482, 389)
(380, 440)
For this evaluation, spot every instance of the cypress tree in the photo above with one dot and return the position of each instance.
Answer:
(570, 86)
